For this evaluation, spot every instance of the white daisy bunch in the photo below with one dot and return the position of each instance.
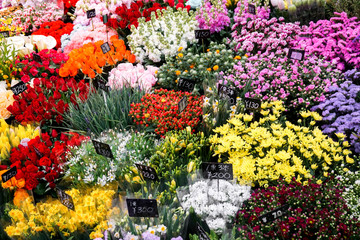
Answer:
(215, 201)
(161, 37)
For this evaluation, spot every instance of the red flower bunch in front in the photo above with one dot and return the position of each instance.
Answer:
(55, 29)
(160, 110)
(40, 161)
(49, 66)
(315, 211)
(47, 100)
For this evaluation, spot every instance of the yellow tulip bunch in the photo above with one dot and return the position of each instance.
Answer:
(11, 136)
(92, 209)
(268, 149)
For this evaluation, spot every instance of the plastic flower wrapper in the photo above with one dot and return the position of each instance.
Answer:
(161, 37)
(85, 166)
(215, 201)
(266, 149)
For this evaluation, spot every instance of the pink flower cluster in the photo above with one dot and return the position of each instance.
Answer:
(334, 40)
(213, 17)
(242, 14)
(134, 76)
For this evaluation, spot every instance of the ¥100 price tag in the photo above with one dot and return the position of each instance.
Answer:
(252, 104)
(182, 104)
(103, 149)
(105, 47)
(202, 33)
(217, 171)
(296, 54)
(9, 174)
(65, 199)
(142, 207)
(147, 172)
(186, 85)
(19, 88)
(227, 93)
(91, 13)
(275, 214)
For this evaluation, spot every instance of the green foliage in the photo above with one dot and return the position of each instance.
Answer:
(351, 7)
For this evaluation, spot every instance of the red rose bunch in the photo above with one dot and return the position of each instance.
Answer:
(160, 110)
(55, 29)
(47, 99)
(41, 160)
(49, 66)
(313, 211)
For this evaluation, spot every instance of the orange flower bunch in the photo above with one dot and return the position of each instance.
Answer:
(13, 182)
(90, 58)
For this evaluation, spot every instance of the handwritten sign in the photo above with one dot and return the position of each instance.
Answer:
(142, 207)
(37, 58)
(105, 18)
(303, 35)
(296, 54)
(186, 85)
(5, 34)
(91, 13)
(252, 104)
(147, 172)
(275, 214)
(227, 93)
(9, 174)
(65, 199)
(19, 88)
(252, 9)
(201, 232)
(202, 33)
(38, 153)
(182, 104)
(102, 149)
(217, 171)
(105, 47)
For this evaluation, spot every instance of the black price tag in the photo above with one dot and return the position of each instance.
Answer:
(147, 172)
(103, 149)
(9, 174)
(182, 104)
(91, 13)
(72, 10)
(252, 104)
(201, 232)
(252, 8)
(305, 35)
(296, 54)
(99, 84)
(37, 58)
(65, 199)
(275, 214)
(217, 171)
(227, 93)
(202, 33)
(5, 34)
(186, 85)
(105, 19)
(142, 207)
(38, 153)
(19, 88)
(105, 47)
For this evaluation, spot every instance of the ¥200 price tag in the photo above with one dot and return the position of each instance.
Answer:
(182, 104)
(275, 214)
(186, 85)
(147, 172)
(217, 171)
(91, 13)
(103, 149)
(65, 199)
(252, 104)
(202, 33)
(19, 88)
(142, 207)
(9, 174)
(227, 93)
(296, 54)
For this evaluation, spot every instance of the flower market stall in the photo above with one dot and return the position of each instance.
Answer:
(179, 119)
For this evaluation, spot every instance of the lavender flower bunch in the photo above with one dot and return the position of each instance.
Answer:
(341, 111)
(213, 15)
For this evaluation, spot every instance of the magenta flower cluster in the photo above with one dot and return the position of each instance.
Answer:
(213, 16)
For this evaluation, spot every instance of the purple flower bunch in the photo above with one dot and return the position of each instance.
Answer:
(258, 34)
(341, 111)
(336, 40)
(213, 15)
(300, 84)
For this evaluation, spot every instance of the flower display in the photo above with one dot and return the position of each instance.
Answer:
(213, 15)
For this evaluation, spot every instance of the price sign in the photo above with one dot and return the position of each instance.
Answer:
(65, 199)
(102, 149)
(275, 214)
(201, 232)
(91, 13)
(142, 207)
(202, 33)
(5, 34)
(19, 88)
(9, 174)
(227, 93)
(105, 18)
(37, 58)
(252, 104)
(99, 84)
(217, 171)
(38, 153)
(182, 104)
(147, 172)
(105, 47)
(186, 85)
(305, 35)
(296, 54)
(252, 9)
